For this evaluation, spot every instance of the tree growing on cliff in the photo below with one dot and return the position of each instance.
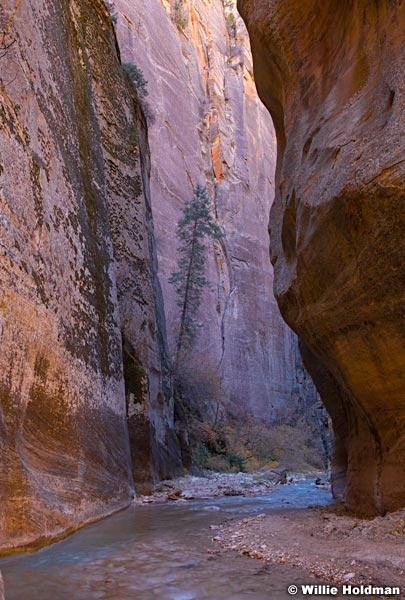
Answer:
(196, 224)
(137, 78)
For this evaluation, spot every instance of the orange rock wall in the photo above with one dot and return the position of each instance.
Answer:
(72, 279)
(332, 76)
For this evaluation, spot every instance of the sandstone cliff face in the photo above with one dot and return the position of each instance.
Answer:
(74, 275)
(332, 76)
(207, 126)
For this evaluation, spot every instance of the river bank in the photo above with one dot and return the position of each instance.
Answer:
(327, 542)
(213, 484)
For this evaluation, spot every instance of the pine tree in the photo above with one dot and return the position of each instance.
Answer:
(189, 280)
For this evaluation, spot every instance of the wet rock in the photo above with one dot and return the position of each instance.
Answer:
(63, 442)
(187, 494)
(232, 492)
(174, 495)
(275, 476)
(322, 484)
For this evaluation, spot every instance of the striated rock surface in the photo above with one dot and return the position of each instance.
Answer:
(207, 126)
(332, 76)
(154, 445)
(72, 280)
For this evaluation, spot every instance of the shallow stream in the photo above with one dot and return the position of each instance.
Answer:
(159, 552)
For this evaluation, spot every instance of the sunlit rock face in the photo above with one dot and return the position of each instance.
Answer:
(332, 76)
(69, 171)
(207, 126)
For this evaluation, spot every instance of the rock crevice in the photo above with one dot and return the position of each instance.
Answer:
(206, 115)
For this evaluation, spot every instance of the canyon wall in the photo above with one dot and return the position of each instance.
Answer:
(76, 275)
(207, 126)
(332, 76)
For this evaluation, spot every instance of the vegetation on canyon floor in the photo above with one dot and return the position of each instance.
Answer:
(215, 437)
(223, 440)
(242, 443)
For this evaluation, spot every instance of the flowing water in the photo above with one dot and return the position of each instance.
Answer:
(159, 552)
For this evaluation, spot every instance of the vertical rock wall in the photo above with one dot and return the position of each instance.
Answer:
(332, 75)
(148, 386)
(69, 170)
(207, 126)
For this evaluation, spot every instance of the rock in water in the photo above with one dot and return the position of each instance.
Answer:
(332, 77)
(275, 476)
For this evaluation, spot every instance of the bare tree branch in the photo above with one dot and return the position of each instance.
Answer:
(4, 44)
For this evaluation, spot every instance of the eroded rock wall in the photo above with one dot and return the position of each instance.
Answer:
(69, 169)
(148, 384)
(207, 126)
(332, 76)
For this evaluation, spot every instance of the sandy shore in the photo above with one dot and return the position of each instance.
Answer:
(326, 542)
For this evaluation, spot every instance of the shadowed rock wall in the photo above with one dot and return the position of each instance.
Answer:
(148, 387)
(69, 170)
(332, 76)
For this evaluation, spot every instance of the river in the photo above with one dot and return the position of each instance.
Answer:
(159, 552)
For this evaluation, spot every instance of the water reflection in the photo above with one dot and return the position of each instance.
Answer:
(158, 552)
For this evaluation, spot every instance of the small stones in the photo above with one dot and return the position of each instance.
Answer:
(212, 485)
(188, 495)
(307, 540)
(174, 495)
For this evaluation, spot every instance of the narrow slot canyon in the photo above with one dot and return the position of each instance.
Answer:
(201, 299)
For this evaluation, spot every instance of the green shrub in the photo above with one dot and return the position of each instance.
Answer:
(237, 461)
(137, 78)
(230, 21)
(201, 456)
(179, 16)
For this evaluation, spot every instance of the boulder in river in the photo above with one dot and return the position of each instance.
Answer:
(276, 476)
